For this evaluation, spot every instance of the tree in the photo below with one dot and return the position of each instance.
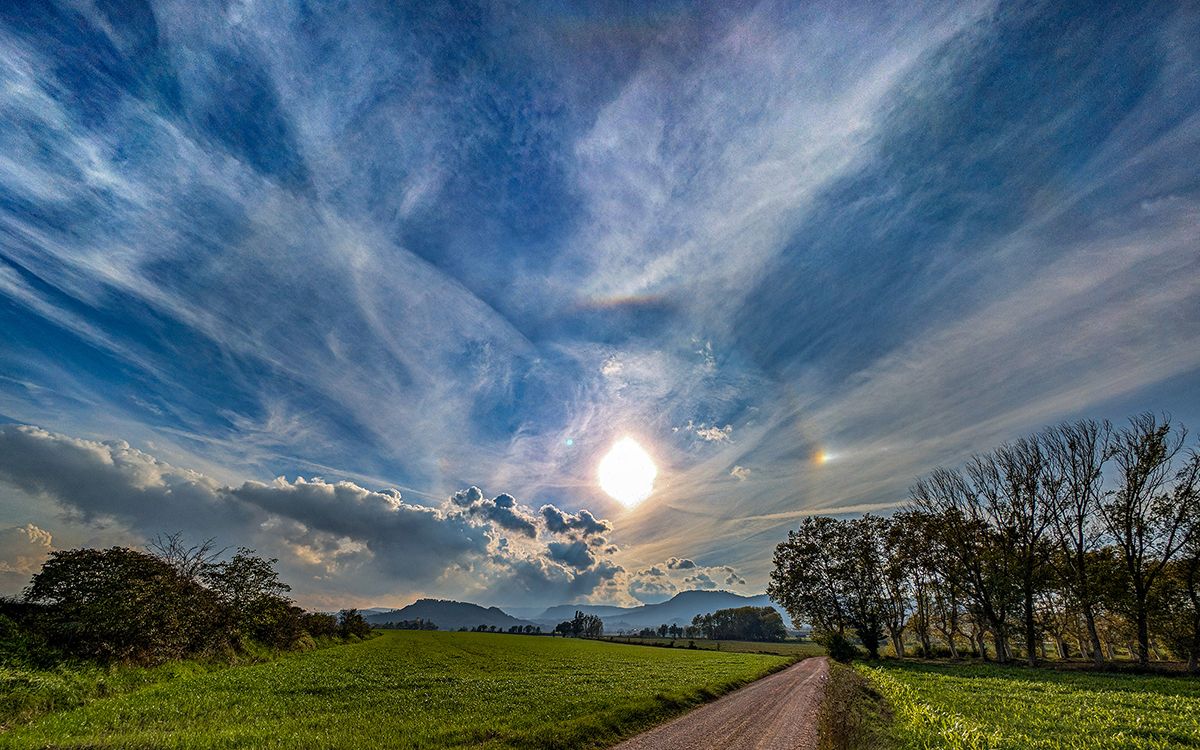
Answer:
(253, 595)
(986, 564)
(190, 561)
(1147, 515)
(862, 574)
(805, 580)
(352, 624)
(121, 604)
(1079, 451)
(741, 624)
(586, 626)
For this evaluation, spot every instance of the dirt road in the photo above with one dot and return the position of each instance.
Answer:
(776, 713)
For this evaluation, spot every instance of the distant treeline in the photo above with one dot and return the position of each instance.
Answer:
(734, 624)
(417, 624)
(582, 625)
(169, 602)
(1085, 535)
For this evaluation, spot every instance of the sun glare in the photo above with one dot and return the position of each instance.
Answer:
(627, 473)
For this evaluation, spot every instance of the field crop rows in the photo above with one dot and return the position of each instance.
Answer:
(410, 689)
(988, 707)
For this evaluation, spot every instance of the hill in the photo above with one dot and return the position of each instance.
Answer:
(678, 610)
(449, 615)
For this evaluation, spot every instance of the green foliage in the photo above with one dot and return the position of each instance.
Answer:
(1004, 708)
(411, 689)
(840, 647)
(741, 624)
(121, 604)
(351, 624)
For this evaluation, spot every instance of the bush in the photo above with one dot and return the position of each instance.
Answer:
(121, 604)
(840, 647)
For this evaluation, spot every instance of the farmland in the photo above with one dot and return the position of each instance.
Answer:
(410, 689)
(986, 706)
(798, 649)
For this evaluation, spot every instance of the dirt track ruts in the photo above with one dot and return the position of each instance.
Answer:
(778, 712)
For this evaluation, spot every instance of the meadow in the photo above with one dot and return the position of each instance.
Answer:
(798, 649)
(410, 689)
(977, 707)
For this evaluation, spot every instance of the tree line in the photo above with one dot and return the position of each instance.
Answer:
(1084, 534)
(734, 624)
(581, 626)
(168, 602)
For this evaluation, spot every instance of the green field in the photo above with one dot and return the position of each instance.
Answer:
(982, 706)
(410, 689)
(799, 649)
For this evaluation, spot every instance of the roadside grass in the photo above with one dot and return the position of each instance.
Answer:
(797, 649)
(977, 707)
(411, 689)
(853, 715)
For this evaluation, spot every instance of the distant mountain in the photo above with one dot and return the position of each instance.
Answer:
(449, 615)
(678, 610)
(567, 611)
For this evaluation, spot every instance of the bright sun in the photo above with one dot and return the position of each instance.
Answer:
(627, 473)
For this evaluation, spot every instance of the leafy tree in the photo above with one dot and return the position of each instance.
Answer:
(352, 624)
(121, 604)
(1148, 515)
(806, 579)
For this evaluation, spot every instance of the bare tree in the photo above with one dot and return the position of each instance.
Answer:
(190, 561)
(1079, 451)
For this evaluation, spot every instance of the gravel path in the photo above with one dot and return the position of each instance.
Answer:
(775, 713)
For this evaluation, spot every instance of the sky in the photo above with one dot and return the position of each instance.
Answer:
(371, 287)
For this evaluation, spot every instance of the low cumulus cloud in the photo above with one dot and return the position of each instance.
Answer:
(340, 535)
(582, 523)
(659, 582)
(739, 472)
(23, 549)
(700, 581)
(503, 510)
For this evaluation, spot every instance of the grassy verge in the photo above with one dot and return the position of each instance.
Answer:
(411, 689)
(27, 692)
(973, 707)
(854, 715)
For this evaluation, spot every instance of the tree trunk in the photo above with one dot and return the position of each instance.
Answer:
(1094, 636)
(1143, 636)
(1031, 634)
(1003, 653)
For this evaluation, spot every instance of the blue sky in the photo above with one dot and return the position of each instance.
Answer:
(390, 251)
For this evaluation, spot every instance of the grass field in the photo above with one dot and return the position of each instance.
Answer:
(981, 706)
(799, 649)
(410, 689)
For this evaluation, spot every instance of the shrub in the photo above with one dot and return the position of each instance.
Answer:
(840, 647)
